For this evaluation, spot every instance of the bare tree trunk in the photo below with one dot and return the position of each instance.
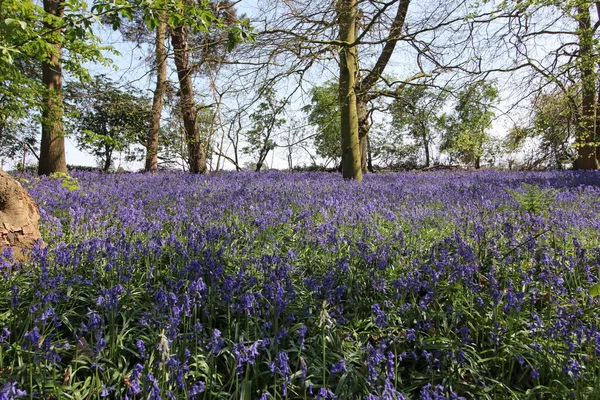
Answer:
(586, 129)
(159, 94)
(364, 85)
(369, 155)
(426, 147)
(52, 146)
(351, 157)
(196, 154)
(107, 158)
(363, 130)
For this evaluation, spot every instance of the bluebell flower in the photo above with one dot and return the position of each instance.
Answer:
(325, 394)
(4, 335)
(197, 388)
(301, 335)
(141, 347)
(338, 367)
(380, 316)
(11, 391)
(216, 343)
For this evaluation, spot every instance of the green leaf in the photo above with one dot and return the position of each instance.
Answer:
(595, 290)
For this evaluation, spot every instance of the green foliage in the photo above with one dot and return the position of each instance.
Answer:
(553, 127)
(266, 120)
(465, 137)
(67, 181)
(416, 115)
(406, 295)
(534, 199)
(324, 115)
(107, 119)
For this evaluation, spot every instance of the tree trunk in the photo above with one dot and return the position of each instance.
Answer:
(426, 147)
(159, 94)
(586, 129)
(196, 155)
(366, 84)
(351, 155)
(363, 130)
(52, 146)
(369, 155)
(107, 158)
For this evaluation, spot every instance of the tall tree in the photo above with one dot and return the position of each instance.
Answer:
(552, 128)
(266, 119)
(196, 154)
(324, 115)
(588, 60)
(466, 133)
(351, 155)
(557, 43)
(52, 146)
(107, 119)
(416, 112)
(366, 83)
(159, 93)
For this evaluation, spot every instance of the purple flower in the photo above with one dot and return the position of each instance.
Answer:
(4, 335)
(302, 333)
(141, 347)
(10, 391)
(325, 394)
(380, 316)
(216, 343)
(339, 367)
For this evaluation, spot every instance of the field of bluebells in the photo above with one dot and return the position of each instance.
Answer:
(444, 285)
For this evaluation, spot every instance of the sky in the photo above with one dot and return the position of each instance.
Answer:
(131, 67)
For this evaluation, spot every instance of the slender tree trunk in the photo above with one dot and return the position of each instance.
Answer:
(52, 146)
(363, 130)
(351, 157)
(107, 158)
(586, 129)
(427, 155)
(363, 86)
(261, 158)
(196, 154)
(159, 94)
(369, 155)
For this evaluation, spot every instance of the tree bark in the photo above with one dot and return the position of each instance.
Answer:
(365, 84)
(52, 146)
(363, 130)
(196, 154)
(586, 127)
(107, 158)
(19, 217)
(426, 147)
(351, 156)
(159, 94)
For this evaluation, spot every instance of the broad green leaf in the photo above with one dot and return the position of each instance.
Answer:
(595, 290)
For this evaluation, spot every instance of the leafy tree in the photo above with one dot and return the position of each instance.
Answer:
(324, 114)
(53, 35)
(190, 19)
(415, 114)
(466, 130)
(557, 42)
(266, 119)
(553, 128)
(107, 119)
